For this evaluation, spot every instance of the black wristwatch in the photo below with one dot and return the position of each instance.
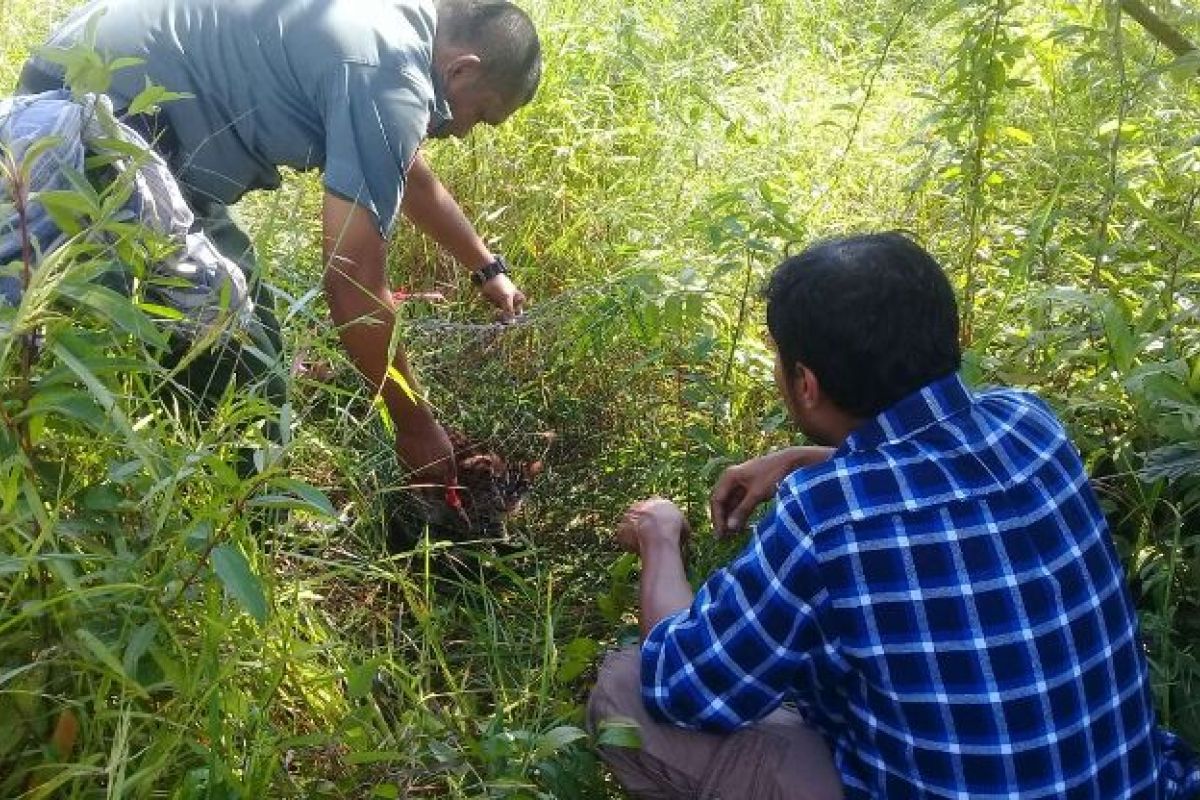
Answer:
(485, 273)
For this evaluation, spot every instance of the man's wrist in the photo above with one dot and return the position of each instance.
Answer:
(497, 266)
(659, 544)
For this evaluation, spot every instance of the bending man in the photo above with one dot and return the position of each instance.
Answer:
(345, 86)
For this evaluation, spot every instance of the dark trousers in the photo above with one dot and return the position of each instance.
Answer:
(252, 361)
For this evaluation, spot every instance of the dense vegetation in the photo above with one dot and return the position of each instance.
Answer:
(166, 631)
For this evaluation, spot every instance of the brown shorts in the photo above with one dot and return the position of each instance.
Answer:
(777, 758)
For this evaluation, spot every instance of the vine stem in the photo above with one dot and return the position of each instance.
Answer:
(1114, 148)
(836, 170)
(983, 108)
(20, 194)
(739, 330)
(1184, 225)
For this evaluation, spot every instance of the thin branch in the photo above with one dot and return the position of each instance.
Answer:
(1166, 34)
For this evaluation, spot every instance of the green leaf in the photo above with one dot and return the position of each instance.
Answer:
(101, 498)
(200, 535)
(1017, 134)
(30, 157)
(148, 100)
(99, 649)
(138, 645)
(1121, 342)
(620, 588)
(68, 402)
(69, 202)
(1172, 462)
(112, 150)
(296, 495)
(577, 656)
(1161, 223)
(65, 217)
(622, 568)
(360, 679)
(75, 354)
(109, 366)
(125, 62)
(1185, 66)
(107, 658)
(399, 379)
(88, 74)
(556, 739)
(619, 732)
(118, 309)
(160, 311)
(240, 581)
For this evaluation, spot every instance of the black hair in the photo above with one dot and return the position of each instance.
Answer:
(873, 316)
(504, 38)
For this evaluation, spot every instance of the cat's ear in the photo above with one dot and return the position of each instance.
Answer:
(485, 462)
(459, 441)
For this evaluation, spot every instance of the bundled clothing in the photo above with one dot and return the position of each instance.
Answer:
(195, 279)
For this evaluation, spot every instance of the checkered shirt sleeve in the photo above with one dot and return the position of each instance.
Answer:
(729, 659)
(942, 600)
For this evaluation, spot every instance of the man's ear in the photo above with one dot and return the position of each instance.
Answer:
(465, 65)
(806, 387)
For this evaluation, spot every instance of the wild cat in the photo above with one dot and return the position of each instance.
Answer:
(490, 489)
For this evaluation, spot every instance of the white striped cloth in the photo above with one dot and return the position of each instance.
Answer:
(196, 280)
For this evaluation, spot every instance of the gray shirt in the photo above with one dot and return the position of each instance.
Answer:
(341, 85)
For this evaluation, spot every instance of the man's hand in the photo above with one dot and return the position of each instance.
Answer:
(651, 523)
(741, 488)
(504, 295)
(656, 530)
(423, 446)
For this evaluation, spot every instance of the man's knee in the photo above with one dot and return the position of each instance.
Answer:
(618, 688)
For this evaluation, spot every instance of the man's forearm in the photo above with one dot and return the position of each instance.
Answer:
(436, 213)
(804, 455)
(364, 322)
(664, 586)
(356, 288)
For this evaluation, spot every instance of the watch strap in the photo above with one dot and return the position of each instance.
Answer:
(485, 273)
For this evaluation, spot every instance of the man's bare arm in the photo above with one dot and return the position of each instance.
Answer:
(435, 212)
(655, 529)
(357, 291)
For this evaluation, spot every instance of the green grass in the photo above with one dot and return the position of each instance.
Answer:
(674, 152)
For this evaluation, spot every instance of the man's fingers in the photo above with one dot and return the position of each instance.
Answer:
(718, 500)
(739, 515)
(506, 309)
(726, 500)
(627, 532)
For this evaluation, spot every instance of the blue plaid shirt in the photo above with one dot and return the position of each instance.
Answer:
(942, 600)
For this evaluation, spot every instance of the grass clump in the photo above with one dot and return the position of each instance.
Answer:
(156, 640)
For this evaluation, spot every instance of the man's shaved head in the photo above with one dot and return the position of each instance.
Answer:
(503, 37)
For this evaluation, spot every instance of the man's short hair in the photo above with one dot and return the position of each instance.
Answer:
(504, 38)
(873, 316)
